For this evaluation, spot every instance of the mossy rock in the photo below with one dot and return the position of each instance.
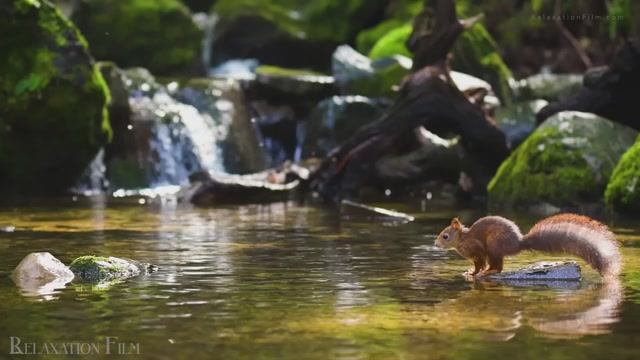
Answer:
(566, 162)
(474, 53)
(292, 83)
(53, 100)
(99, 269)
(289, 33)
(623, 190)
(159, 35)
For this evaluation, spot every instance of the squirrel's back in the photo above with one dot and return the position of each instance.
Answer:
(577, 235)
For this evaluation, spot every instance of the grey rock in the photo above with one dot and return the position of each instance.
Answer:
(518, 120)
(356, 74)
(283, 83)
(544, 270)
(555, 275)
(546, 86)
(41, 273)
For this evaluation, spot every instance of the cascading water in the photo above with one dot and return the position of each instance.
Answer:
(172, 132)
(182, 141)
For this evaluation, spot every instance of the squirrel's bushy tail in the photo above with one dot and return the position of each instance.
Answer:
(577, 235)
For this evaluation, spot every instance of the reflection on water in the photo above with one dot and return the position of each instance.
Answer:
(289, 281)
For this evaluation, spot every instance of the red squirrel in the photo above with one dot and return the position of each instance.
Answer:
(492, 238)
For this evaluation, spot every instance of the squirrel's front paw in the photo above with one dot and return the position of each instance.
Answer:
(485, 273)
(470, 272)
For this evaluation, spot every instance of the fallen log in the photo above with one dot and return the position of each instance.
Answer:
(428, 98)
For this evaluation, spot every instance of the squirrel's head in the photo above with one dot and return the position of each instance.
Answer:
(451, 235)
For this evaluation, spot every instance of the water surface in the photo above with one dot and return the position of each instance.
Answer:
(285, 281)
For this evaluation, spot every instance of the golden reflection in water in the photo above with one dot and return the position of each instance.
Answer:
(499, 310)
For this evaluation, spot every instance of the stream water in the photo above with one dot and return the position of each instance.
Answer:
(285, 281)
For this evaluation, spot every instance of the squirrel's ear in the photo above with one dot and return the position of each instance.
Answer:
(455, 223)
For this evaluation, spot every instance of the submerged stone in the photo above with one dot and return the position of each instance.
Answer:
(623, 189)
(566, 162)
(96, 269)
(544, 270)
(159, 35)
(553, 274)
(50, 90)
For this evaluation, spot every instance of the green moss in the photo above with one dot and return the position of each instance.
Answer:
(157, 34)
(367, 39)
(623, 190)
(50, 90)
(543, 169)
(567, 161)
(89, 267)
(393, 43)
(285, 72)
(336, 21)
(475, 53)
(87, 262)
(98, 269)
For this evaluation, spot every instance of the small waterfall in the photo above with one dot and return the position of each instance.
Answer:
(163, 134)
(206, 22)
(93, 180)
(182, 140)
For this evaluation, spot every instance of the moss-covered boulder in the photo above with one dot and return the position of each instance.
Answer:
(289, 33)
(567, 161)
(623, 190)
(53, 100)
(99, 269)
(159, 35)
(474, 53)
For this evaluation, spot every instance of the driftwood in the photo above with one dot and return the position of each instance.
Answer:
(612, 92)
(429, 98)
(208, 189)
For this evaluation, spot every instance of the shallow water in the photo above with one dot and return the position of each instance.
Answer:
(285, 281)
